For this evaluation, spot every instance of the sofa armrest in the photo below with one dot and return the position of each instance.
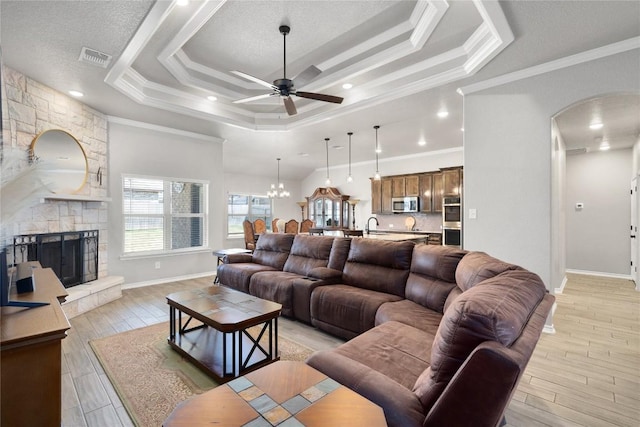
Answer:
(329, 275)
(302, 289)
(237, 258)
(401, 406)
(480, 391)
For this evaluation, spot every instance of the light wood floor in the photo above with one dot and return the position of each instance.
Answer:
(587, 374)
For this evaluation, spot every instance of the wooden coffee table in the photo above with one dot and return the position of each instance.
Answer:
(285, 392)
(214, 334)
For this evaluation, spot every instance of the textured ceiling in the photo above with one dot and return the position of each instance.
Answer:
(405, 59)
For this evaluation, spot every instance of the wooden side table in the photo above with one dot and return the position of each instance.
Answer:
(283, 392)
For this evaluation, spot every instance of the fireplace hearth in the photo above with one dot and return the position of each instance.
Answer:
(73, 255)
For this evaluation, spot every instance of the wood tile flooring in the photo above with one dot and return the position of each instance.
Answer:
(587, 374)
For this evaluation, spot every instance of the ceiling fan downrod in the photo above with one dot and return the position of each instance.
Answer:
(284, 30)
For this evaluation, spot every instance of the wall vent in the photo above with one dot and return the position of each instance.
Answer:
(576, 151)
(94, 57)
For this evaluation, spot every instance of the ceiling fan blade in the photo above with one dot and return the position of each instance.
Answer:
(306, 76)
(254, 79)
(290, 106)
(254, 98)
(320, 97)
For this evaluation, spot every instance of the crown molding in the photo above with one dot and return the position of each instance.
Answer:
(558, 64)
(164, 129)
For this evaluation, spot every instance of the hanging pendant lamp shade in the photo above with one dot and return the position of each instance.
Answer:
(326, 143)
(277, 190)
(377, 175)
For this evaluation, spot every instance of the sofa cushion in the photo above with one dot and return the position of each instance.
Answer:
(237, 276)
(432, 275)
(496, 309)
(339, 252)
(378, 266)
(272, 249)
(409, 313)
(346, 311)
(475, 267)
(307, 253)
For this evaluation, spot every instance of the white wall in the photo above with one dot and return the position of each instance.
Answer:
(137, 148)
(508, 156)
(598, 234)
(285, 208)
(558, 202)
(360, 188)
(635, 162)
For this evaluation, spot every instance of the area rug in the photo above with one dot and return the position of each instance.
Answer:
(151, 378)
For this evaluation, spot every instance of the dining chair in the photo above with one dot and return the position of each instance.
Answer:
(274, 225)
(259, 226)
(291, 227)
(306, 225)
(318, 231)
(249, 235)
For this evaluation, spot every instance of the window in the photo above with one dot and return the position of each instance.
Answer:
(163, 215)
(241, 207)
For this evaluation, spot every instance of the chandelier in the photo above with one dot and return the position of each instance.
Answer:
(278, 192)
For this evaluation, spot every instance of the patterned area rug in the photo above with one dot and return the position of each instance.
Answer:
(151, 378)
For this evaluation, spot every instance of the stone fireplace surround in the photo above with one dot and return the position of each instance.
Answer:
(30, 108)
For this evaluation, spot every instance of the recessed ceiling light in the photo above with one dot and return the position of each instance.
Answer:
(378, 150)
(595, 126)
(461, 129)
(443, 113)
(604, 146)
(422, 142)
(347, 86)
(303, 154)
(76, 93)
(337, 147)
(182, 2)
(212, 98)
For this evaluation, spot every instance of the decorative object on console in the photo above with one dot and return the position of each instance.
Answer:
(284, 87)
(353, 203)
(279, 191)
(377, 175)
(350, 178)
(326, 143)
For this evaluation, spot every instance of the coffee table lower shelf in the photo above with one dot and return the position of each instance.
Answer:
(226, 355)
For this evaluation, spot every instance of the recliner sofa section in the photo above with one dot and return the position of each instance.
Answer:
(311, 261)
(462, 372)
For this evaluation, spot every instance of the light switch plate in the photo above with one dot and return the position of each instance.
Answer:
(473, 213)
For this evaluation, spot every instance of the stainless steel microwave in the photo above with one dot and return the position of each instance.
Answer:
(404, 204)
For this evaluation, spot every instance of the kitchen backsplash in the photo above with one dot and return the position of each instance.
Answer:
(424, 222)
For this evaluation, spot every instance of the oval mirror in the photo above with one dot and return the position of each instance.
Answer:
(61, 158)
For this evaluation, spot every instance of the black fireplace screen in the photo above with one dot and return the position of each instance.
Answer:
(73, 255)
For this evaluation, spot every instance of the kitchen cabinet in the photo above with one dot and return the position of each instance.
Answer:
(426, 191)
(452, 181)
(386, 190)
(438, 191)
(328, 208)
(412, 185)
(397, 186)
(376, 196)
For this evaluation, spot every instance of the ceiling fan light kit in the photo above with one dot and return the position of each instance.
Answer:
(285, 87)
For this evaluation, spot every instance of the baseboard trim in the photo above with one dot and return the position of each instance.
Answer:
(600, 274)
(167, 280)
(559, 290)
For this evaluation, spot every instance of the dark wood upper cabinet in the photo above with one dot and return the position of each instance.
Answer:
(426, 191)
(397, 183)
(376, 196)
(386, 195)
(452, 180)
(438, 191)
(412, 185)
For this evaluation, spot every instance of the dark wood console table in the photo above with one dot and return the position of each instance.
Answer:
(30, 355)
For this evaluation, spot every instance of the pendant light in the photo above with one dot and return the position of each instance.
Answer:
(278, 191)
(326, 143)
(349, 178)
(377, 175)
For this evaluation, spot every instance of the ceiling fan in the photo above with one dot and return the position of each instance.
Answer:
(284, 87)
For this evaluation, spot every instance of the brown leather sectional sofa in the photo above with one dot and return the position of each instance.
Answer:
(437, 336)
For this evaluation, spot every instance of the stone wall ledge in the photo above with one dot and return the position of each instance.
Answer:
(86, 297)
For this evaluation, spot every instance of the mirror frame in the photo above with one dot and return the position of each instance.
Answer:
(33, 156)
